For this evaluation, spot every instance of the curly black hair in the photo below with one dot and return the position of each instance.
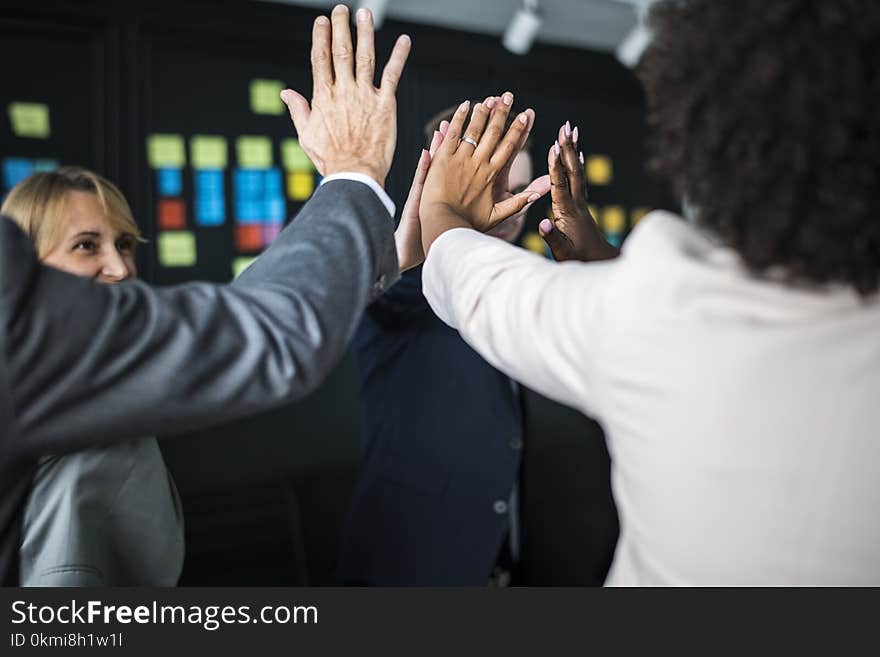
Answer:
(766, 118)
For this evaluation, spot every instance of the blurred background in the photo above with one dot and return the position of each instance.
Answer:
(177, 103)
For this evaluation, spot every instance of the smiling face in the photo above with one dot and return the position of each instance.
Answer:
(91, 244)
(520, 177)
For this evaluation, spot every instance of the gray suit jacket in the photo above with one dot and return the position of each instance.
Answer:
(82, 364)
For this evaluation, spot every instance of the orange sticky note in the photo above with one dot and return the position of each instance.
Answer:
(171, 214)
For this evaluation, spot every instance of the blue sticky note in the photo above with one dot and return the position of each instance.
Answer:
(210, 211)
(16, 169)
(249, 211)
(248, 183)
(209, 183)
(276, 208)
(614, 239)
(169, 181)
(272, 182)
(45, 165)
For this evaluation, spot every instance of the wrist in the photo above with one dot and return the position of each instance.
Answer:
(373, 172)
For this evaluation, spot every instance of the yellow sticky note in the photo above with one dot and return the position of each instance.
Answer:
(166, 151)
(207, 152)
(613, 219)
(240, 264)
(29, 120)
(266, 98)
(636, 214)
(177, 248)
(533, 242)
(300, 185)
(254, 152)
(599, 170)
(294, 157)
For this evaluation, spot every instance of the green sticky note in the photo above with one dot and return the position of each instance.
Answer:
(294, 157)
(254, 152)
(29, 120)
(266, 98)
(177, 248)
(166, 151)
(207, 152)
(240, 264)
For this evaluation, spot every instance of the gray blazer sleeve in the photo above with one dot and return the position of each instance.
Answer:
(88, 363)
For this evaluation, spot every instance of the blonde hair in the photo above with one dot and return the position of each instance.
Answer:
(37, 204)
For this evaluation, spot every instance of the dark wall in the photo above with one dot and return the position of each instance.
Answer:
(278, 484)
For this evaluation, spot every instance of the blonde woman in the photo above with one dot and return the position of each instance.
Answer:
(107, 516)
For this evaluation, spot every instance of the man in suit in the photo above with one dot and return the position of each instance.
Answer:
(436, 502)
(81, 363)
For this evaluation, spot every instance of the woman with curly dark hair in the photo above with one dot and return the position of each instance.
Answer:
(733, 360)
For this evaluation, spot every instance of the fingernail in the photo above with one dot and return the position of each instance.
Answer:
(546, 226)
(581, 157)
(322, 20)
(490, 102)
(362, 14)
(507, 98)
(523, 118)
(463, 107)
(556, 146)
(283, 95)
(341, 7)
(567, 128)
(534, 197)
(476, 107)
(574, 135)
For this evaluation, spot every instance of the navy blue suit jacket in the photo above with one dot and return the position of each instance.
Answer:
(442, 443)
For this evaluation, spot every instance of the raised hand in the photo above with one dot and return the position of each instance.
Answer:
(470, 168)
(571, 233)
(408, 236)
(350, 125)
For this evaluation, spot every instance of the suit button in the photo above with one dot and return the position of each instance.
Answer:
(516, 444)
(500, 507)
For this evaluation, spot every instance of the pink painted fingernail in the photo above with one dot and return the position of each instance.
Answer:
(581, 157)
(574, 135)
(463, 107)
(362, 15)
(490, 102)
(507, 98)
(556, 146)
(567, 128)
(523, 118)
(546, 226)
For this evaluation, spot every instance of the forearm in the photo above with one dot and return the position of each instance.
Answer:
(436, 219)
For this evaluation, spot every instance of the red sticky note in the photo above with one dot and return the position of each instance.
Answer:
(249, 237)
(171, 214)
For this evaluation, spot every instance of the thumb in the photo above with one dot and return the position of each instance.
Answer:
(556, 240)
(510, 206)
(298, 107)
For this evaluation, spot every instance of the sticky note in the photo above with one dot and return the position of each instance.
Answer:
(254, 152)
(266, 97)
(636, 214)
(171, 214)
(16, 169)
(177, 248)
(294, 158)
(45, 165)
(210, 211)
(613, 219)
(207, 152)
(615, 239)
(169, 181)
(249, 238)
(599, 170)
(209, 183)
(240, 264)
(272, 182)
(270, 233)
(29, 120)
(248, 183)
(300, 185)
(276, 208)
(250, 211)
(165, 151)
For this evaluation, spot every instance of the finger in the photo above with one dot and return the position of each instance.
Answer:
(298, 107)
(435, 143)
(505, 170)
(444, 127)
(322, 65)
(558, 180)
(366, 50)
(540, 186)
(394, 68)
(496, 125)
(415, 191)
(477, 124)
(510, 206)
(453, 132)
(509, 147)
(569, 156)
(559, 244)
(342, 50)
